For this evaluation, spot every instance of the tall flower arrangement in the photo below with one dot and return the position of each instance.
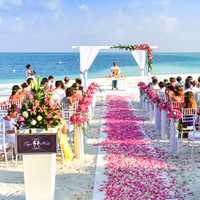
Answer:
(37, 110)
(145, 47)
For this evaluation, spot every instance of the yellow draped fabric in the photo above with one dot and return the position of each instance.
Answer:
(65, 146)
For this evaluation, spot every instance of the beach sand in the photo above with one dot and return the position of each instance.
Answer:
(75, 179)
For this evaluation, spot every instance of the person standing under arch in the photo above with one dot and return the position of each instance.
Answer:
(115, 70)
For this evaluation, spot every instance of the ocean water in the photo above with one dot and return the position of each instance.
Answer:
(12, 65)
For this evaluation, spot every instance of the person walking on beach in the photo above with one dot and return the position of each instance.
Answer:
(115, 70)
(29, 71)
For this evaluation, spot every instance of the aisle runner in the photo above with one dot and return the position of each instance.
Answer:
(134, 169)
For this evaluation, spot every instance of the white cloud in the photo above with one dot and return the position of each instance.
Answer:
(54, 6)
(169, 23)
(9, 4)
(1, 20)
(51, 4)
(83, 7)
(164, 2)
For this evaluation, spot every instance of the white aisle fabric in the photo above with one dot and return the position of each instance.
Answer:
(140, 58)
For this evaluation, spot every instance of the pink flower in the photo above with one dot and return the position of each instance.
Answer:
(21, 119)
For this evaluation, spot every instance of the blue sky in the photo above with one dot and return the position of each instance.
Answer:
(56, 25)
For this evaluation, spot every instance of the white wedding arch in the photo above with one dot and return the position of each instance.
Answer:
(89, 53)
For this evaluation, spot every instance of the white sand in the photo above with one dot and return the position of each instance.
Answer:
(75, 179)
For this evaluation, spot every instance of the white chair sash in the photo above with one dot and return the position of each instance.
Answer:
(157, 119)
(164, 123)
(173, 139)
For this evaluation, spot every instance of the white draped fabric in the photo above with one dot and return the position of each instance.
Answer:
(140, 58)
(87, 56)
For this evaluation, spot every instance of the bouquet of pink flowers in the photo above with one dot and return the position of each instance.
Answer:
(155, 99)
(174, 114)
(78, 119)
(38, 111)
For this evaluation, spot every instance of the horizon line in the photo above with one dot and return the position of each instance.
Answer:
(102, 51)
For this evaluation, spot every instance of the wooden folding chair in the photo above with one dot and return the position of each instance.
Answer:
(188, 120)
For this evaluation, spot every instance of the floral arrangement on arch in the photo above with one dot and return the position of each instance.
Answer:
(145, 47)
(37, 110)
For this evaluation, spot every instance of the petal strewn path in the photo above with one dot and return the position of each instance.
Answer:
(134, 169)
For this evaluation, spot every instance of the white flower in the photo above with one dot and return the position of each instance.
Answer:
(39, 118)
(25, 114)
(34, 122)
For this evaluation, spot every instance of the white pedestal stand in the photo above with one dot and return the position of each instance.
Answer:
(39, 176)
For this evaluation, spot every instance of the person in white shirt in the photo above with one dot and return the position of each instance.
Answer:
(10, 121)
(155, 85)
(195, 89)
(161, 91)
(30, 73)
(188, 86)
(59, 92)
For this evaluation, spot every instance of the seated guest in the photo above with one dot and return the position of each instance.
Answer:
(195, 89)
(198, 84)
(68, 99)
(151, 83)
(77, 93)
(190, 78)
(188, 86)
(10, 121)
(154, 85)
(44, 83)
(79, 84)
(59, 93)
(179, 81)
(189, 100)
(166, 81)
(10, 118)
(172, 81)
(51, 83)
(24, 93)
(15, 96)
(161, 91)
(29, 83)
(169, 92)
(178, 94)
(161, 85)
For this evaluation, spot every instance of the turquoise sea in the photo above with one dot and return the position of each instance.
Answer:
(12, 65)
